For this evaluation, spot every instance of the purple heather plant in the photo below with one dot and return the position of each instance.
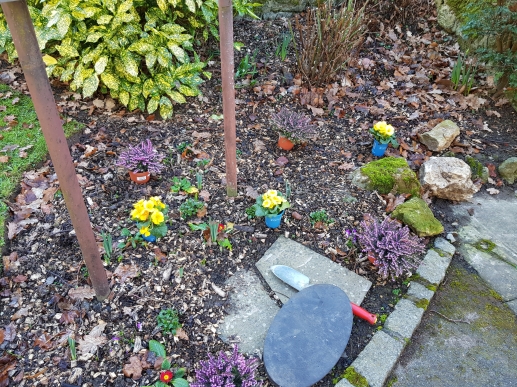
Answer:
(394, 247)
(141, 158)
(224, 371)
(293, 125)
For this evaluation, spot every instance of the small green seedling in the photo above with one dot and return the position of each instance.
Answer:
(247, 66)
(131, 239)
(168, 321)
(320, 216)
(190, 207)
(71, 344)
(182, 185)
(107, 243)
(199, 181)
(182, 146)
(281, 50)
(250, 212)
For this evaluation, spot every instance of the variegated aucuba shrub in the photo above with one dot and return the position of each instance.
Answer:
(139, 51)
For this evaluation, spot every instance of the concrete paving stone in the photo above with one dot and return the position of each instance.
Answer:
(404, 319)
(512, 305)
(419, 291)
(501, 276)
(378, 358)
(320, 270)
(433, 267)
(443, 245)
(344, 383)
(251, 313)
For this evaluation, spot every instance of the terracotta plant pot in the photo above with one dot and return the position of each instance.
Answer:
(371, 258)
(285, 143)
(140, 177)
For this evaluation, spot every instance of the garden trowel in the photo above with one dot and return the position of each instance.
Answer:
(300, 281)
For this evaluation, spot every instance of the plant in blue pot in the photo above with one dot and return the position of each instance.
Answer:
(150, 217)
(383, 134)
(271, 205)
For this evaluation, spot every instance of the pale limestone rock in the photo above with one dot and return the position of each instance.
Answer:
(448, 178)
(441, 136)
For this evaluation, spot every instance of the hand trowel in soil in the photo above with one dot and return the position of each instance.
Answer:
(300, 281)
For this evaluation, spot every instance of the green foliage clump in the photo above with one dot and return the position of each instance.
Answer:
(168, 321)
(320, 216)
(140, 52)
(190, 207)
(355, 378)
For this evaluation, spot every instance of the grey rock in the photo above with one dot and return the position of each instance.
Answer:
(451, 238)
(444, 246)
(404, 319)
(320, 270)
(344, 383)
(370, 365)
(418, 292)
(308, 336)
(508, 170)
(512, 305)
(441, 136)
(433, 267)
(251, 313)
(448, 178)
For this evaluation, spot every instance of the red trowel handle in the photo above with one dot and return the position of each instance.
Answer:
(363, 314)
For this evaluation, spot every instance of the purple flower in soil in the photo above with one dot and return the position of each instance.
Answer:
(224, 371)
(141, 158)
(393, 246)
(139, 326)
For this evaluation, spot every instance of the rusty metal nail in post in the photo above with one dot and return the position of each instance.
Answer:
(227, 68)
(24, 37)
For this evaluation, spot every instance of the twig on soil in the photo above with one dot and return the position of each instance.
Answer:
(450, 319)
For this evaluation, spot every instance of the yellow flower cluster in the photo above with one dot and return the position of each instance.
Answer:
(271, 199)
(143, 209)
(384, 129)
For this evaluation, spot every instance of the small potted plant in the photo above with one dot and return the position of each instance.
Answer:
(141, 160)
(150, 217)
(271, 205)
(390, 247)
(293, 127)
(383, 134)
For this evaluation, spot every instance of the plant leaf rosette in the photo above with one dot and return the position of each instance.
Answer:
(150, 217)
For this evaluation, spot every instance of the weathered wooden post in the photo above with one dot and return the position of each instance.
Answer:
(24, 37)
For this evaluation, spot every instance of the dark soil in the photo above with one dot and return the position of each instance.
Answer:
(180, 270)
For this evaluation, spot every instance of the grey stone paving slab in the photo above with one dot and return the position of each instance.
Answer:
(404, 319)
(320, 269)
(442, 244)
(501, 276)
(433, 267)
(251, 313)
(344, 383)
(378, 358)
(512, 305)
(419, 291)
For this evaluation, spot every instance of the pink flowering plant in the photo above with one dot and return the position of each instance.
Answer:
(141, 158)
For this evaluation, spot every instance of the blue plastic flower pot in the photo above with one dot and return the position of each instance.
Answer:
(150, 238)
(273, 221)
(378, 148)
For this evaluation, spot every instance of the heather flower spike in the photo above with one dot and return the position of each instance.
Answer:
(394, 246)
(295, 126)
(141, 158)
(224, 371)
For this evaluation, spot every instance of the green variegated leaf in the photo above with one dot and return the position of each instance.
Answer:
(101, 64)
(178, 52)
(162, 4)
(92, 38)
(114, 93)
(125, 18)
(165, 107)
(164, 56)
(104, 19)
(124, 97)
(172, 29)
(130, 29)
(133, 102)
(147, 87)
(67, 51)
(194, 22)
(48, 60)
(213, 31)
(152, 105)
(141, 103)
(207, 74)
(191, 5)
(78, 14)
(90, 11)
(90, 85)
(174, 3)
(205, 34)
(110, 80)
(111, 5)
(150, 59)
(125, 6)
(188, 91)
(175, 96)
(129, 63)
(187, 69)
(141, 47)
(207, 14)
(85, 73)
(136, 88)
(163, 82)
(63, 24)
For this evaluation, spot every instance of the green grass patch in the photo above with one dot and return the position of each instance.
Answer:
(22, 141)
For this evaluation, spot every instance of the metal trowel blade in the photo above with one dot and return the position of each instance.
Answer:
(290, 276)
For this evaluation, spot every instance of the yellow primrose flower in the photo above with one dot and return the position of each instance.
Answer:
(143, 215)
(267, 203)
(156, 200)
(277, 200)
(149, 205)
(145, 231)
(380, 127)
(270, 193)
(389, 130)
(157, 217)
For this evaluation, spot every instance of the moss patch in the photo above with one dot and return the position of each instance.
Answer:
(417, 215)
(459, 7)
(477, 168)
(422, 303)
(391, 382)
(432, 287)
(391, 173)
(355, 378)
(485, 245)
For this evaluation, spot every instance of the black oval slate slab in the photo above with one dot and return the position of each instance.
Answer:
(308, 336)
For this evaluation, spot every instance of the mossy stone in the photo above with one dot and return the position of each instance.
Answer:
(479, 171)
(417, 215)
(508, 170)
(389, 174)
(355, 378)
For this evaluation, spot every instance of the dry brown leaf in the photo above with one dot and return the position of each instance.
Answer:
(81, 293)
(394, 201)
(10, 332)
(205, 195)
(126, 271)
(44, 341)
(180, 333)
(159, 256)
(21, 313)
(251, 192)
(296, 215)
(316, 111)
(69, 316)
(20, 278)
(91, 342)
(2, 335)
(346, 166)
(4, 159)
(258, 146)
(492, 191)
(133, 369)
(199, 135)
(201, 212)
